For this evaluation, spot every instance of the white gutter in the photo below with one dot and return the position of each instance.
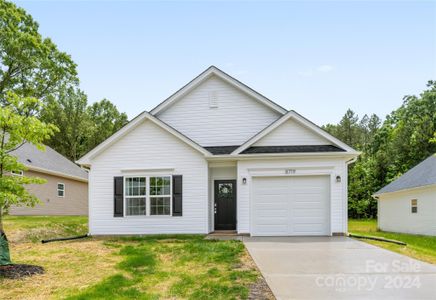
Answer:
(284, 155)
(375, 196)
(55, 173)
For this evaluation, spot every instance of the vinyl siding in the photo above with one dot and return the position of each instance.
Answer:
(394, 211)
(146, 149)
(237, 118)
(292, 133)
(302, 166)
(75, 201)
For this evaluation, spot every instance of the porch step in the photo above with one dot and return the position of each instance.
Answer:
(224, 232)
(225, 235)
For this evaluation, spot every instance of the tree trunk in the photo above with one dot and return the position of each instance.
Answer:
(5, 258)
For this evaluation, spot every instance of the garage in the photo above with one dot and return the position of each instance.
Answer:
(292, 205)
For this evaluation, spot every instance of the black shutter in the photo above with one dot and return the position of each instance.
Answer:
(118, 196)
(177, 195)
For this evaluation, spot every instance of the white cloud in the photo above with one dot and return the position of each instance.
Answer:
(318, 70)
(325, 68)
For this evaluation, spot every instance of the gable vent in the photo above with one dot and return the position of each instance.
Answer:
(213, 99)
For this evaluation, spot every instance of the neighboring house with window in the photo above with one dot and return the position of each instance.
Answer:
(408, 204)
(216, 155)
(66, 189)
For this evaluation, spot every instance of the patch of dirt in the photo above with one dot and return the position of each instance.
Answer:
(260, 289)
(17, 271)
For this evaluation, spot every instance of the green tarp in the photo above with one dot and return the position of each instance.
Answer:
(5, 258)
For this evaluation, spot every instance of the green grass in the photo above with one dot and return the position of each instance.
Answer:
(36, 228)
(418, 246)
(150, 267)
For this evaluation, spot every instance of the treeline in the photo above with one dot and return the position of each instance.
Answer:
(81, 126)
(389, 148)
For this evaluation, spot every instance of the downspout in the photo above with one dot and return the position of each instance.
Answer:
(347, 163)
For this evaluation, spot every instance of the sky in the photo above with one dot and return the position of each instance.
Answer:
(318, 58)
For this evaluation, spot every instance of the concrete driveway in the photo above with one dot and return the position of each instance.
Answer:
(339, 268)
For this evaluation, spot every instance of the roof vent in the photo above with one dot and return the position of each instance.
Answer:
(28, 160)
(213, 99)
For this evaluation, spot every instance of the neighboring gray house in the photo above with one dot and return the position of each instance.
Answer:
(66, 189)
(408, 204)
(217, 155)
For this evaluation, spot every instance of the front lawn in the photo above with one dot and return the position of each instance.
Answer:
(418, 246)
(150, 267)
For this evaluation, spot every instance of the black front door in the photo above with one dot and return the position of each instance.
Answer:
(225, 205)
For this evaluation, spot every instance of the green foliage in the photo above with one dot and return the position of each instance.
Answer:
(106, 120)
(406, 137)
(18, 125)
(30, 66)
(82, 127)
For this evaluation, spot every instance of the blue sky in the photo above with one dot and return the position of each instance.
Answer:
(316, 57)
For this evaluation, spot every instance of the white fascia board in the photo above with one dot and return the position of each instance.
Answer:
(345, 155)
(222, 75)
(301, 121)
(86, 160)
(55, 173)
(422, 187)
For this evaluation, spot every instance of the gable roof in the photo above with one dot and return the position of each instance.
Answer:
(303, 121)
(423, 174)
(212, 70)
(48, 161)
(86, 159)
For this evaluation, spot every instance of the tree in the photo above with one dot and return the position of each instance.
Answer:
(68, 111)
(406, 137)
(30, 66)
(82, 127)
(359, 134)
(107, 120)
(18, 125)
(31, 70)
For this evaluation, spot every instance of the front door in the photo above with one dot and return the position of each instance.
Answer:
(225, 205)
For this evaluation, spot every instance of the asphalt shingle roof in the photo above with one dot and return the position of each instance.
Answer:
(292, 149)
(49, 159)
(421, 175)
(218, 150)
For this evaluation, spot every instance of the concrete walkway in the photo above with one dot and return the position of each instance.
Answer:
(339, 268)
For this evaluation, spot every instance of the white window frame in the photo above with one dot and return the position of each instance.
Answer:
(63, 190)
(147, 196)
(19, 173)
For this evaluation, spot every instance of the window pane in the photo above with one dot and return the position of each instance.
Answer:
(160, 185)
(160, 206)
(135, 206)
(60, 193)
(60, 186)
(135, 186)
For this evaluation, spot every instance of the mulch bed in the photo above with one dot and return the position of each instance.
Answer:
(17, 271)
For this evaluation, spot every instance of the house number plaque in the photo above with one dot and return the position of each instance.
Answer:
(290, 171)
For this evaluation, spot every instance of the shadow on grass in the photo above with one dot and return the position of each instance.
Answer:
(185, 266)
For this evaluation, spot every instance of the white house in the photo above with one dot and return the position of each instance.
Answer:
(217, 155)
(408, 204)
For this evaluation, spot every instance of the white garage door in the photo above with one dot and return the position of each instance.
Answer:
(291, 206)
